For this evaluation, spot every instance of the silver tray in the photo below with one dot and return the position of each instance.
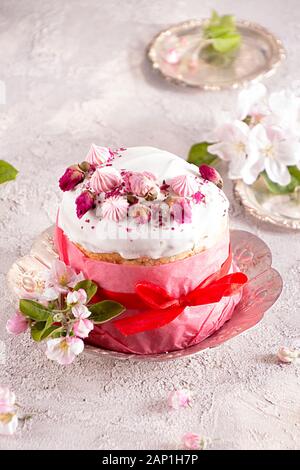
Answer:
(280, 210)
(259, 56)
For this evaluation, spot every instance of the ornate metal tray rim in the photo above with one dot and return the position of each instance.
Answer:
(274, 64)
(239, 191)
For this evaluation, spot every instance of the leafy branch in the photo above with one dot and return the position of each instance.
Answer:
(199, 155)
(221, 33)
(57, 319)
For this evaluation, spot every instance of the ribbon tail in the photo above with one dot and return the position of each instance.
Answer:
(149, 320)
(224, 287)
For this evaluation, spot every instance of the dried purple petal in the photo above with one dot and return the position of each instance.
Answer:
(198, 197)
(84, 202)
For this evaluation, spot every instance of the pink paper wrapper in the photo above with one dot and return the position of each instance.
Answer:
(178, 278)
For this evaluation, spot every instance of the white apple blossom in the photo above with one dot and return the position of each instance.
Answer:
(8, 423)
(60, 278)
(269, 141)
(232, 146)
(64, 349)
(284, 109)
(269, 150)
(251, 101)
(8, 417)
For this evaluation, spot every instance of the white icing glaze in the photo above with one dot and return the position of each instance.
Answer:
(131, 241)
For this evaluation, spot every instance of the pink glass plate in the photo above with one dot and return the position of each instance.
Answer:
(250, 253)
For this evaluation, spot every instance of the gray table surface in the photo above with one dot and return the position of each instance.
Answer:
(75, 73)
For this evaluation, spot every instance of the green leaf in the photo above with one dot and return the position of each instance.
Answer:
(7, 172)
(228, 42)
(295, 172)
(277, 188)
(199, 154)
(37, 330)
(89, 286)
(49, 331)
(105, 311)
(222, 33)
(34, 310)
(43, 329)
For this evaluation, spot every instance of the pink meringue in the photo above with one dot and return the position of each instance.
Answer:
(114, 208)
(104, 179)
(141, 184)
(98, 155)
(184, 185)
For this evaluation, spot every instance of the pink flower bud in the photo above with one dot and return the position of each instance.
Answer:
(84, 202)
(211, 174)
(289, 356)
(72, 176)
(82, 327)
(17, 324)
(179, 399)
(193, 441)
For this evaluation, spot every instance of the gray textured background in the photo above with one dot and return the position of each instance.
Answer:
(75, 73)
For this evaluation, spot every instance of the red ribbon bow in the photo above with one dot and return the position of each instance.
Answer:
(164, 308)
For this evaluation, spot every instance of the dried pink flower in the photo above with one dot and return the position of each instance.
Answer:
(140, 213)
(84, 202)
(72, 176)
(211, 174)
